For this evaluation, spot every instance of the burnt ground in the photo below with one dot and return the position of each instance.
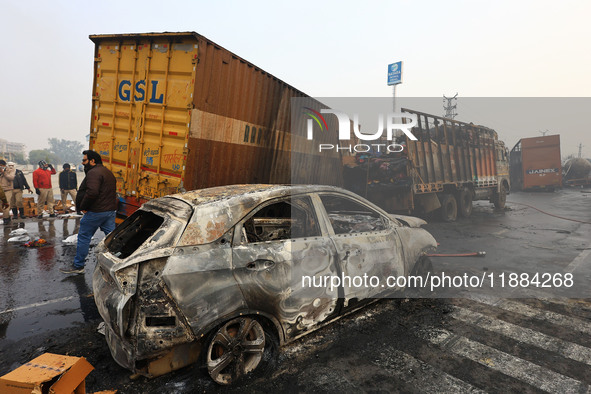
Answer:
(460, 341)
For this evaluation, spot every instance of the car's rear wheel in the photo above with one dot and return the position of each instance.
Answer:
(239, 348)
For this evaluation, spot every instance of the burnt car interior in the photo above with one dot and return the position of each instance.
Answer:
(347, 216)
(127, 237)
(286, 219)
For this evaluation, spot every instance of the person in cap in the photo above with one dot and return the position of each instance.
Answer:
(68, 185)
(97, 198)
(43, 188)
(19, 183)
(6, 183)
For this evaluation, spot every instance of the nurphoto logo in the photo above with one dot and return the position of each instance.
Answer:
(394, 121)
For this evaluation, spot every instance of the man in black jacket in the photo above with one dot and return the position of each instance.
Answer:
(68, 185)
(97, 198)
(16, 200)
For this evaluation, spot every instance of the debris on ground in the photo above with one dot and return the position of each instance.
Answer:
(19, 239)
(53, 373)
(36, 243)
(71, 240)
(69, 216)
(18, 231)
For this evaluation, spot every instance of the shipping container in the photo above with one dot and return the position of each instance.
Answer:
(175, 111)
(535, 163)
(450, 164)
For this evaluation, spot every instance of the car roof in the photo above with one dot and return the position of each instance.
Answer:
(218, 209)
(252, 191)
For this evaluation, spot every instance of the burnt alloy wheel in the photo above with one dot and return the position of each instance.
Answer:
(238, 348)
(465, 203)
(500, 198)
(449, 208)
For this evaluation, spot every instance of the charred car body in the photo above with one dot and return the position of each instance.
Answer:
(217, 273)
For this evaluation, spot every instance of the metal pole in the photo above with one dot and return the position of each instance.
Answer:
(394, 98)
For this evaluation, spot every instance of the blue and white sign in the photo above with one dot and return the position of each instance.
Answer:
(395, 73)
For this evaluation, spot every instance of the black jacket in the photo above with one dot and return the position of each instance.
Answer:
(97, 191)
(68, 180)
(20, 182)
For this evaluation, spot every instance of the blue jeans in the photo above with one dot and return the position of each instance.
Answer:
(92, 221)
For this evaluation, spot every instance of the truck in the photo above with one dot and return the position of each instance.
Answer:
(535, 163)
(447, 167)
(176, 111)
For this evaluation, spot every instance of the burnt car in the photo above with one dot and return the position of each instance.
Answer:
(226, 275)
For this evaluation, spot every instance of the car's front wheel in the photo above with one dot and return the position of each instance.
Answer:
(417, 282)
(239, 348)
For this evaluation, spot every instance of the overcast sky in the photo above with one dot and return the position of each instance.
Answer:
(324, 48)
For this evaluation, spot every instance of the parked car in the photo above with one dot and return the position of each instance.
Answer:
(220, 274)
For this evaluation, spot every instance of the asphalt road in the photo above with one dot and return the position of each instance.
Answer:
(490, 338)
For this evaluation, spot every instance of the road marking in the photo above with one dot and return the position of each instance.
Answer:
(498, 233)
(507, 364)
(429, 380)
(577, 261)
(524, 335)
(38, 304)
(573, 323)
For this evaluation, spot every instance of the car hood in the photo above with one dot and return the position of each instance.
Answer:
(409, 221)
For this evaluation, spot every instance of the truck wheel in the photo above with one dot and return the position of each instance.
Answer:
(500, 198)
(449, 208)
(465, 201)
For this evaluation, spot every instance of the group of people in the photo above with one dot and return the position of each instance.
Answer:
(13, 182)
(96, 198)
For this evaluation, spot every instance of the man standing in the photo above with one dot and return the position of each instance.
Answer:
(3, 201)
(97, 198)
(6, 183)
(68, 185)
(19, 183)
(43, 188)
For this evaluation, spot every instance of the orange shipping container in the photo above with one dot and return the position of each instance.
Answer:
(536, 163)
(175, 111)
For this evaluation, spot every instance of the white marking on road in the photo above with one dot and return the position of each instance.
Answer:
(577, 261)
(524, 335)
(573, 323)
(38, 304)
(429, 380)
(507, 364)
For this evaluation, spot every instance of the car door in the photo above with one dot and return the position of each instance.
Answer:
(367, 246)
(279, 257)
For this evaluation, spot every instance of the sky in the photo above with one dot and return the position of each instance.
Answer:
(478, 49)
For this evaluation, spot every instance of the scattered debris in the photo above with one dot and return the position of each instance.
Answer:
(18, 231)
(69, 216)
(71, 240)
(36, 243)
(19, 239)
(48, 373)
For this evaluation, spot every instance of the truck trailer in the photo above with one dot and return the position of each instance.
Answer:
(451, 164)
(175, 111)
(535, 163)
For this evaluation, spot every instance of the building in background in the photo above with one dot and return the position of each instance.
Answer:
(11, 150)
